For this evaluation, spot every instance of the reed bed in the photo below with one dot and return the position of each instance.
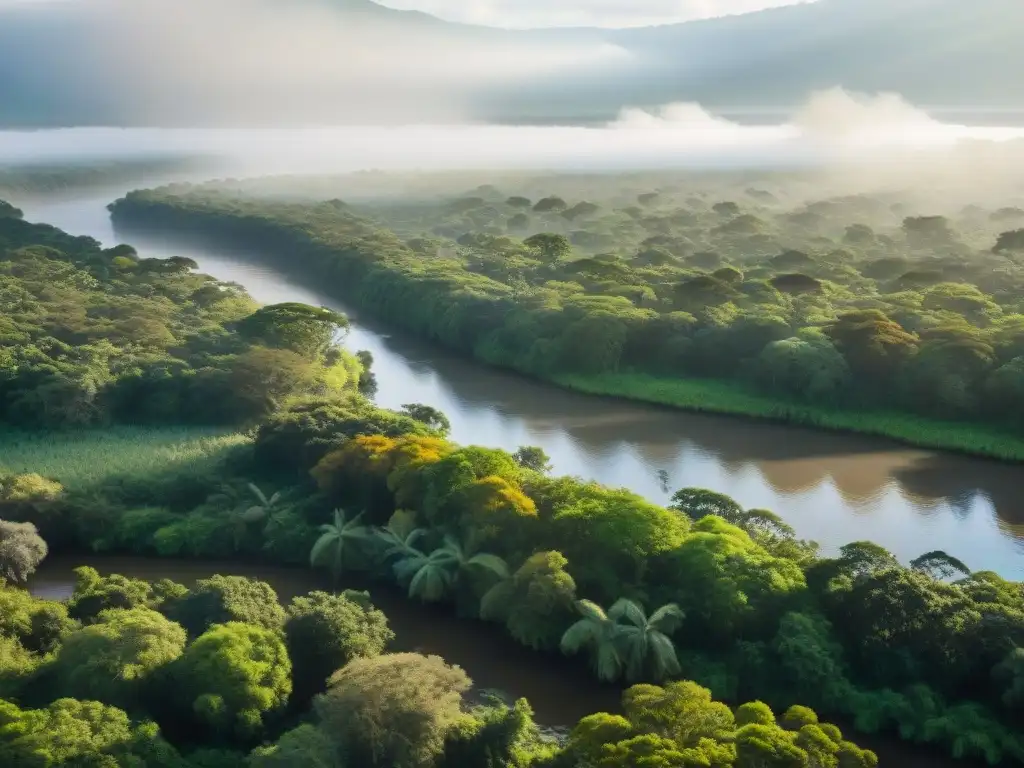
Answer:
(86, 458)
(712, 396)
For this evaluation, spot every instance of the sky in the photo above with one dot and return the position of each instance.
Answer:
(568, 13)
(591, 13)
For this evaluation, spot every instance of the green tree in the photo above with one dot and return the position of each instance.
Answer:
(38, 625)
(536, 602)
(940, 565)
(810, 370)
(392, 711)
(1009, 241)
(1010, 674)
(549, 247)
(234, 677)
(22, 549)
(325, 632)
(532, 457)
(112, 660)
(79, 733)
(295, 327)
(874, 345)
(221, 599)
(304, 747)
(430, 416)
(94, 593)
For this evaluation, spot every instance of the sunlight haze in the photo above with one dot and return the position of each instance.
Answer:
(523, 14)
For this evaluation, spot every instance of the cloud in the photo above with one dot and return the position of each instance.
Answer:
(831, 127)
(245, 60)
(593, 13)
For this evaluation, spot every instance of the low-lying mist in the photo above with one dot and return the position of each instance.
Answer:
(872, 141)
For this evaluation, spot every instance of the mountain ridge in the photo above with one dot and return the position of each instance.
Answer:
(946, 53)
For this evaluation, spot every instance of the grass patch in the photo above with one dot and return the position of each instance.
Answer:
(83, 459)
(712, 396)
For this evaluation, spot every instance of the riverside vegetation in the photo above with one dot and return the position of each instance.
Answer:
(755, 295)
(689, 604)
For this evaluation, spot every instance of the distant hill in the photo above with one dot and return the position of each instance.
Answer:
(68, 65)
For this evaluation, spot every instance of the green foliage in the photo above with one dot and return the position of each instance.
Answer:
(535, 601)
(297, 327)
(234, 678)
(38, 625)
(828, 305)
(303, 747)
(99, 336)
(70, 732)
(624, 640)
(220, 599)
(334, 549)
(113, 660)
(325, 632)
(94, 594)
(365, 699)
(22, 549)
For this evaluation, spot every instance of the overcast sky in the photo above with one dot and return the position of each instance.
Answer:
(600, 13)
(563, 13)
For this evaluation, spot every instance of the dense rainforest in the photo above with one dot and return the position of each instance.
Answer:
(708, 291)
(705, 591)
(92, 336)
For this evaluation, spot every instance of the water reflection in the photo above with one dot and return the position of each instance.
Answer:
(832, 488)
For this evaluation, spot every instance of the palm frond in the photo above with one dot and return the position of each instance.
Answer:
(667, 619)
(253, 514)
(625, 608)
(322, 545)
(491, 563)
(591, 610)
(607, 662)
(257, 493)
(663, 656)
(430, 583)
(582, 633)
(494, 604)
(454, 546)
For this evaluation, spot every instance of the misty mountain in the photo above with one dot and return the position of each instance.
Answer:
(271, 62)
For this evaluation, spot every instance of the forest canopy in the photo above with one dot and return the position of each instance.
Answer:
(92, 336)
(854, 303)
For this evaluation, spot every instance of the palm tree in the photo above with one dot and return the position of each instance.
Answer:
(396, 542)
(643, 641)
(431, 576)
(264, 507)
(482, 561)
(336, 543)
(597, 631)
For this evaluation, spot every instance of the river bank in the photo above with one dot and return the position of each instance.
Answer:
(278, 245)
(732, 399)
(559, 693)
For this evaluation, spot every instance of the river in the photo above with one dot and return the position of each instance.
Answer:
(832, 488)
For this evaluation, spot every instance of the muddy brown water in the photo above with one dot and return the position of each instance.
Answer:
(560, 692)
(833, 488)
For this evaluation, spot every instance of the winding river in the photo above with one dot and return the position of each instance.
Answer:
(833, 488)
